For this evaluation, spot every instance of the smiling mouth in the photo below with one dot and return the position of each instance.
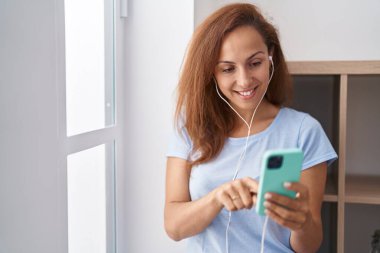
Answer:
(247, 93)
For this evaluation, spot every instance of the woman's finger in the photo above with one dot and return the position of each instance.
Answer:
(286, 214)
(286, 223)
(252, 184)
(227, 202)
(301, 190)
(289, 203)
(244, 193)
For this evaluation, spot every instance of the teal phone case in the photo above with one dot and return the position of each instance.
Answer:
(273, 179)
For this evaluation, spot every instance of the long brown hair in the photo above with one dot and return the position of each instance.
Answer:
(206, 118)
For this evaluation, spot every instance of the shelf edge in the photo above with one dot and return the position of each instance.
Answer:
(333, 67)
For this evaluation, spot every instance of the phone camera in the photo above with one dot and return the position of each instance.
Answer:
(275, 162)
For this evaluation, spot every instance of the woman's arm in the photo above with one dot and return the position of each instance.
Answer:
(183, 217)
(302, 215)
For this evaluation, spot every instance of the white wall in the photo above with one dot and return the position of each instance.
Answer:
(30, 181)
(33, 212)
(157, 35)
(318, 30)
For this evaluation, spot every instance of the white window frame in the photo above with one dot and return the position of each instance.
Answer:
(87, 140)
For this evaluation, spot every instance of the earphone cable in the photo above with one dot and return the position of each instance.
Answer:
(242, 155)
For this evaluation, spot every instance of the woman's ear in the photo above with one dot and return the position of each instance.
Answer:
(270, 53)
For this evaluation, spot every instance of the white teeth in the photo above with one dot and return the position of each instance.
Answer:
(246, 93)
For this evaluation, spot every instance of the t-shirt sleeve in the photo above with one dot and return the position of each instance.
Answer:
(179, 144)
(315, 144)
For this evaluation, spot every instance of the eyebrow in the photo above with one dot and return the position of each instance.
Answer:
(249, 58)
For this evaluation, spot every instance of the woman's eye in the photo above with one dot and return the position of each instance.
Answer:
(227, 70)
(255, 64)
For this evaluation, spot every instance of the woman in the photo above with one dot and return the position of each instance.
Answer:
(235, 80)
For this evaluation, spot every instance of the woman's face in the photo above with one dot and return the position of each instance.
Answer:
(242, 71)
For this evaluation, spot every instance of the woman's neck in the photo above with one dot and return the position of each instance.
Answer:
(265, 114)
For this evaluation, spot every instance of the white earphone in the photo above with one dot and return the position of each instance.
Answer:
(241, 158)
(271, 62)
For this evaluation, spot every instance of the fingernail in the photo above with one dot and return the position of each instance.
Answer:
(266, 204)
(268, 195)
(287, 184)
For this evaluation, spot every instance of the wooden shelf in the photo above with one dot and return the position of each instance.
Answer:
(362, 189)
(334, 80)
(331, 192)
(334, 67)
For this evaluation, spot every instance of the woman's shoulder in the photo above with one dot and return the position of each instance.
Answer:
(293, 116)
(291, 112)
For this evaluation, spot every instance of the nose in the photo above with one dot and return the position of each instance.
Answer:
(243, 78)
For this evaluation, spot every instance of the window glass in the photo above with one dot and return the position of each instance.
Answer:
(90, 199)
(89, 47)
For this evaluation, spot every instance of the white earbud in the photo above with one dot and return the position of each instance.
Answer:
(271, 62)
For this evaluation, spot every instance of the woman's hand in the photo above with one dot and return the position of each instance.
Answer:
(295, 213)
(238, 194)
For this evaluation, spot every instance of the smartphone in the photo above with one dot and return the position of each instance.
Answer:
(278, 166)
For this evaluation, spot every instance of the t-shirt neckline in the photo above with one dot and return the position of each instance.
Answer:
(266, 131)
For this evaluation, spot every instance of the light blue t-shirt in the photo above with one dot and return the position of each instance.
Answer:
(289, 129)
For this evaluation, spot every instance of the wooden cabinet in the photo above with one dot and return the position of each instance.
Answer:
(345, 98)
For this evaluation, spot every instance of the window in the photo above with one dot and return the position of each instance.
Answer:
(91, 131)
(89, 61)
(90, 179)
